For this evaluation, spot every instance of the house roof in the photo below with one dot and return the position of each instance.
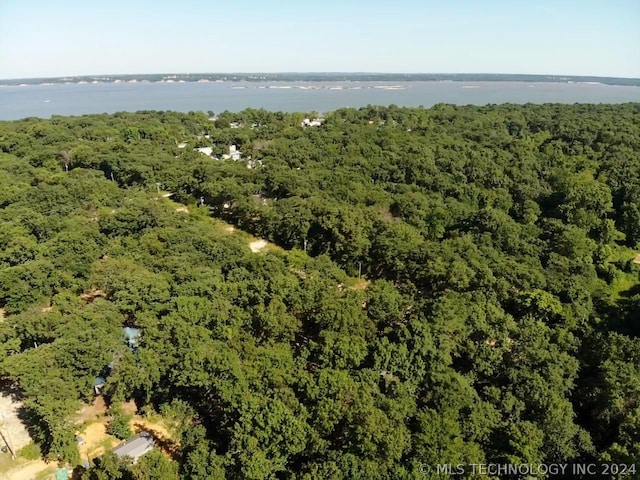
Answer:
(205, 150)
(136, 447)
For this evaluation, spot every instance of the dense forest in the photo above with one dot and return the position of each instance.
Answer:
(449, 285)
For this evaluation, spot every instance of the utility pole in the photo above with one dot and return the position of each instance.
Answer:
(7, 438)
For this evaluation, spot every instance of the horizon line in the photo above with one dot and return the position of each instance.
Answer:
(320, 73)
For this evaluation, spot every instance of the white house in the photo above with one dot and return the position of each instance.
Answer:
(316, 122)
(205, 150)
(234, 154)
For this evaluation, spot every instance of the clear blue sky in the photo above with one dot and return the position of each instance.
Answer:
(72, 37)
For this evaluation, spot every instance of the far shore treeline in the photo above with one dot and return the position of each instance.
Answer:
(451, 285)
(325, 77)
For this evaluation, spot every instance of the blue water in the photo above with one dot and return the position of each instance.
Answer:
(75, 99)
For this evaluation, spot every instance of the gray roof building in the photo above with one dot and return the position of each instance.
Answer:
(136, 447)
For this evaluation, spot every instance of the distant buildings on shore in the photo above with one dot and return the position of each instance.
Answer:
(232, 153)
(316, 122)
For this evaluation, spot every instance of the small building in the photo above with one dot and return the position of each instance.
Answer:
(205, 150)
(98, 385)
(136, 447)
(100, 381)
(316, 122)
(234, 153)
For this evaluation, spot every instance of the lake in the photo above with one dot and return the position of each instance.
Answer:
(76, 99)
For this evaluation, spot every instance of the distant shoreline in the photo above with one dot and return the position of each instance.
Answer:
(317, 77)
(291, 96)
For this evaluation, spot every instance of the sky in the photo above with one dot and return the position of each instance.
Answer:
(43, 38)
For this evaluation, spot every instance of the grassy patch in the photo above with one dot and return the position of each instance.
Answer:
(358, 283)
(620, 253)
(623, 283)
(45, 474)
(30, 452)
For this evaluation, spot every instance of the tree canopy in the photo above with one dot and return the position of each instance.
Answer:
(449, 285)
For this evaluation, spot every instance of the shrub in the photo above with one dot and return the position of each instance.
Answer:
(30, 452)
(119, 426)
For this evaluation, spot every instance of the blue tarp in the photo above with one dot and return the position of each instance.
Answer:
(62, 474)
